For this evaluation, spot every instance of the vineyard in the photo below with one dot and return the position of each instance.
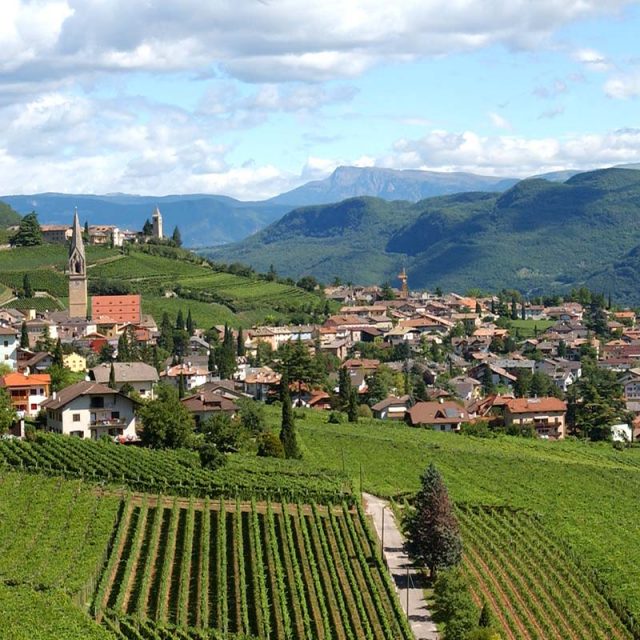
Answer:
(261, 570)
(533, 585)
(172, 472)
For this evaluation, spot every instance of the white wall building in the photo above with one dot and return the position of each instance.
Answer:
(8, 347)
(91, 410)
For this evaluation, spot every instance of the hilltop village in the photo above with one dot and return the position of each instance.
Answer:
(441, 361)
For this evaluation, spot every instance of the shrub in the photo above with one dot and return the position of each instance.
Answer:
(269, 446)
(335, 417)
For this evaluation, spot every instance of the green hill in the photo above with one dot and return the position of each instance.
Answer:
(214, 296)
(538, 236)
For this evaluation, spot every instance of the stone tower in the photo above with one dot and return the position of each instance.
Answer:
(77, 273)
(156, 219)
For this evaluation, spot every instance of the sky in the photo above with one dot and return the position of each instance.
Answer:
(250, 98)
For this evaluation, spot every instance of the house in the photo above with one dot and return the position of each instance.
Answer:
(91, 410)
(261, 382)
(392, 408)
(546, 415)
(631, 383)
(119, 309)
(225, 388)
(8, 346)
(192, 375)
(37, 362)
(139, 375)
(204, 404)
(466, 388)
(56, 233)
(439, 416)
(74, 362)
(27, 391)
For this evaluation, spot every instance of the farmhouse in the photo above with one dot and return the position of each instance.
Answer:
(91, 410)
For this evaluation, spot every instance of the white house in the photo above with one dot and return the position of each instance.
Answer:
(192, 375)
(91, 410)
(8, 346)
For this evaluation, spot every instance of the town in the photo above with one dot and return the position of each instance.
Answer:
(448, 362)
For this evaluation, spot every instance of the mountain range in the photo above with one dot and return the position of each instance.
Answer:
(537, 236)
(211, 220)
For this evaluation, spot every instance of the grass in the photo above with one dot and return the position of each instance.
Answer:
(527, 328)
(585, 493)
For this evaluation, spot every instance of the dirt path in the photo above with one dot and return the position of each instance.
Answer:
(411, 597)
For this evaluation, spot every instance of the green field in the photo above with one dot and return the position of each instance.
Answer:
(585, 493)
(214, 297)
(527, 328)
(267, 571)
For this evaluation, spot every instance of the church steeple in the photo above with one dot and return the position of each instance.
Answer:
(77, 267)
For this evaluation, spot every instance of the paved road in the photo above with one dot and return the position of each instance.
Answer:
(397, 560)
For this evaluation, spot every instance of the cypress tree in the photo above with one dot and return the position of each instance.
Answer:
(211, 362)
(123, 348)
(241, 350)
(288, 428)
(165, 341)
(176, 237)
(433, 535)
(24, 336)
(485, 616)
(181, 386)
(190, 324)
(26, 286)
(57, 354)
(352, 409)
(112, 377)
(180, 321)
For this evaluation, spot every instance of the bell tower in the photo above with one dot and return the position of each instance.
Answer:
(156, 220)
(77, 267)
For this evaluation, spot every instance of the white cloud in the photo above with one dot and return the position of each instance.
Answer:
(623, 87)
(500, 122)
(592, 59)
(266, 41)
(513, 155)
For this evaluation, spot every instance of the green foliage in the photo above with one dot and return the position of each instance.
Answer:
(269, 446)
(166, 422)
(7, 412)
(432, 531)
(29, 233)
(288, 436)
(222, 432)
(211, 457)
(453, 604)
(252, 416)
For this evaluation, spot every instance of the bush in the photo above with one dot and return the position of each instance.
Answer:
(210, 456)
(364, 411)
(269, 446)
(335, 417)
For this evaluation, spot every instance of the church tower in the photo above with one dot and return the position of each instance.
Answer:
(156, 220)
(77, 273)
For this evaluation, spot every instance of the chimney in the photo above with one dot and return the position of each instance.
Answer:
(441, 400)
(54, 395)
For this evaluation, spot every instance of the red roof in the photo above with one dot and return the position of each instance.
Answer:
(22, 380)
(536, 405)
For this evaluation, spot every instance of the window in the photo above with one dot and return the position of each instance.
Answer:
(76, 417)
(34, 406)
(6, 343)
(6, 357)
(115, 415)
(97, 402)
(78, 434)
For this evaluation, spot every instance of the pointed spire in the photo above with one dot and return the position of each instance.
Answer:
(76, 236)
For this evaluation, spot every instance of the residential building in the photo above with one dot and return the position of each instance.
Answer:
(545, 415)
(140, 376)
(120, 309)
(439, 416)
(74, 362)
(27, 391)
(8, 346)
(204, 404)
(56, 233)
(91, 410)
(192, 375)
(392, 408)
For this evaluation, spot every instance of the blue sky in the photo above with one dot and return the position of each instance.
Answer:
(256, 97)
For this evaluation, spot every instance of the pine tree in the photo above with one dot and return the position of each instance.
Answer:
(24, 336)
(433, 535)
(181, 386)
(190, 324)
(123, 348)
(288, 428)
(344, 387)
(165, 340)
(29, 232)
(147, 228)
(485, 616)
(112, 377)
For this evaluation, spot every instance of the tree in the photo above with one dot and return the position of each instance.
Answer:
(165, 340)
(296, 360)
(8, 414)
(288, 427)
(112, 377)
(485, 616)
(29, 233)
(387, 293)
(344, 387)
(226, 355)
(180, 321)
(241, 349)
(352, 407)
(147, 228)
(44, 342)
(58, 355)
(597, 402)
(176, 237)
(487, 381)
(308, 283)
(269, 446)
(433, 536)
(123, 348)
(252, 416)
(222, 432)
(210, 457)
(166, 422)
(211, 360)
(24, 336)
(190, 325)
(26, 286)
(377, 387)
(453, 605)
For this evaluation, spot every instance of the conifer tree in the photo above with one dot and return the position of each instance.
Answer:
(29, 232)
(112, 377)
(352, 409)
(26, 286)
(181, 386)
(433, 536)
(180, 321)
(24, 336)
(344, 388)
(211, 362)
(58, 356)
(165, 341)
(241, 350)
(123, 348)
(190, 324)
(288, 428)
(176, 237)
